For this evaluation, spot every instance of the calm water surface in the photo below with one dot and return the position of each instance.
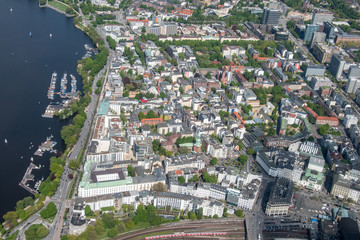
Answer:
(26, 65)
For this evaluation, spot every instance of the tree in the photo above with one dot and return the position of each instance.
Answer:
(243, 159)
(121, 226)
(214, 161)
(159, 187)
(112, 233)
(88, 211)
(216, 216)
(195, 178)
(156, 145)
(239, 213)
(130, 224)
(162, 95)
(192, 216)
(250, 151)
(131, 170)
(199, 214)
(10, 219)
(209, 178)
(73, 164)
(49, 211)
(181, 179)
(324, 129)
(108, 220)
(36, 231)
(99, 227)
(42, 232)
(22, 214)
(208, 75)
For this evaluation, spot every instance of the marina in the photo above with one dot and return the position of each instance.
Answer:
(52, 87)
(28, 177)
(48, 145)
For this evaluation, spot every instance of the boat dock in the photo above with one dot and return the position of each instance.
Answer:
(52, 87)
(48, 145)
(29, 177)
(63, 85)
(73, 84)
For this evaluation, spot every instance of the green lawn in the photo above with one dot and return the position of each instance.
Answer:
(58, 5)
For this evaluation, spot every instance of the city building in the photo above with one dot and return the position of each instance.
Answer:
(354, 72)
(310, 29)
(322, 52)
(280, 163)
(352, 85)
(271, 16)
(314, 70)
(317, 82)
(280, 198)
(329, 29)
(317, 37)
(349, 120)
(345, 188)
(337, 64)
(321, 17)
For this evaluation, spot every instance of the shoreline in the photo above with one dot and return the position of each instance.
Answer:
(57, 10)
(66, 150)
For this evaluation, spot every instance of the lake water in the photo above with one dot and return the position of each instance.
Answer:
(26, 65)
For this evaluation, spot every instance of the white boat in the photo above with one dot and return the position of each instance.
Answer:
(50, 35)
(6, 140)
(10, 9)
(32, 159)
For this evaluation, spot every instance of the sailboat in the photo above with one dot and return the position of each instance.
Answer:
(6, 141)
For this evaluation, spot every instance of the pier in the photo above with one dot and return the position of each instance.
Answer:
(29, 177)
(48, 145)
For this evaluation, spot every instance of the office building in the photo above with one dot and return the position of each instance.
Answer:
(337, 64)
(321, 17)
(155, 29)
(317, 37)
(352, 84)
(322, 52)
(354, 72)
(280, 197)
(317, 82)
(314, 70)
(329, 29)
(270, 16)
(310, 29)
(168, 29)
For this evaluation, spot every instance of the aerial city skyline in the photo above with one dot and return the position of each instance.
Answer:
(180, 119)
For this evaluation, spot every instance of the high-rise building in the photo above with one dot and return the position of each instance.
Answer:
(354, 72)
(322, 52)
(310, 29)
(317, 37)
(321, 17)
(352, 85)
(271, 16)
(337, 64)
(329, 29)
